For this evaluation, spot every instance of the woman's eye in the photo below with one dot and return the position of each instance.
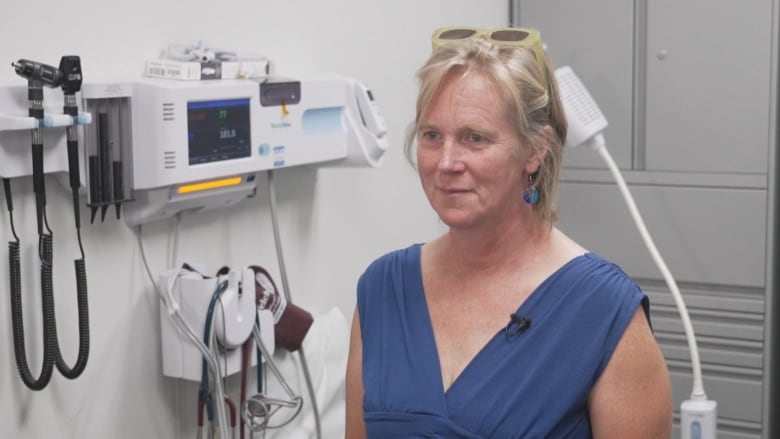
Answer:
(429, 135)
(475, 138)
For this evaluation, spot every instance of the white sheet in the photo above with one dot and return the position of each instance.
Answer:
(325, 347)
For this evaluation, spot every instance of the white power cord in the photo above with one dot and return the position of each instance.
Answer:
(699, 415)
(286, 289)
(698, 386)
(586, 122)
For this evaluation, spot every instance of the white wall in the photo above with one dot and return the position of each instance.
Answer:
(333, 222)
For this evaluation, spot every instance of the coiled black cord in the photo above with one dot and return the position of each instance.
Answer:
(71, 64)
(52, 356)
(47, 286)
(47, 307)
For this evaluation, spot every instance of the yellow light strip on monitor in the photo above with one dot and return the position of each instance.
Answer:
(205, 185)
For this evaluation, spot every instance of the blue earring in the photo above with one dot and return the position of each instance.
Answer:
(531, 194)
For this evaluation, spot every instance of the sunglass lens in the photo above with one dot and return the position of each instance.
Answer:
(456, 34)
(509, 35)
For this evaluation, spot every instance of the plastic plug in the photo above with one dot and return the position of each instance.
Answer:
(698, 419)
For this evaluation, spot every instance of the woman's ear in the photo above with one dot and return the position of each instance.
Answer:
(536, 158)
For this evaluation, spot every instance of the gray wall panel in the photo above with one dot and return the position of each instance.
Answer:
(584, 38)
(707, 81)
(693, 122)
(742, 331)
(729, 331)
(737, 398)
(709, 236)
(727, 433)
(742, 301)
(679, 351)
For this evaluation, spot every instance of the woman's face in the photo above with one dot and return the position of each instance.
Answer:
(472, 165)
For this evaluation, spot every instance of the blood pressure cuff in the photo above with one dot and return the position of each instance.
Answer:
(291, 323)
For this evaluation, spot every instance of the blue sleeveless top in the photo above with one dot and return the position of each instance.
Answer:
(532, 384)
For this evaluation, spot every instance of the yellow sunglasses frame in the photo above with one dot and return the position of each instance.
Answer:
(532, 41)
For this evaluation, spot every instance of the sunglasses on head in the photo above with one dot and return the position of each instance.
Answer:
(506, 36)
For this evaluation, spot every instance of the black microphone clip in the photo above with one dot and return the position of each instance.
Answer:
(520, 324)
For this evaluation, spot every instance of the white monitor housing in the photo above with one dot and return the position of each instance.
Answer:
(197, 145)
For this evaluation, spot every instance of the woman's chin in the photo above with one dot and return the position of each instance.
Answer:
(458, 220)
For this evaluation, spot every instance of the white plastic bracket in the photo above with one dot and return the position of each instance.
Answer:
(15, 127)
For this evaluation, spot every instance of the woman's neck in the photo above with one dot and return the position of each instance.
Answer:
(501, 248)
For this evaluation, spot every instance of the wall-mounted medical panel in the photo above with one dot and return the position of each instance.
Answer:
(302, 121)
(193, 131)
(584, 38)
(197, 145)
(700, 239)
(187, 132)
(708, 71)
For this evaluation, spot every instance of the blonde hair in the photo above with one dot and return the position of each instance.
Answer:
(532, 102)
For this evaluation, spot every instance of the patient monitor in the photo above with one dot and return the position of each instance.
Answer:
(197, 145)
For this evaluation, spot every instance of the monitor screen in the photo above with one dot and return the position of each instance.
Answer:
(218, 130)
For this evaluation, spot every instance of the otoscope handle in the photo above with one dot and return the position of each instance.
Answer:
(73, 164)
(38, 183)
(8, 200)
(35, 71)
(37, 160)
(70, 85)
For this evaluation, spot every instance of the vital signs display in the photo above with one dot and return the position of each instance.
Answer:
(218, 130)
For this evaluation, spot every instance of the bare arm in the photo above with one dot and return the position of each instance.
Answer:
(633, 397)
(355, 426)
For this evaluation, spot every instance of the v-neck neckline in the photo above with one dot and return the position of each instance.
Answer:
(522, 309)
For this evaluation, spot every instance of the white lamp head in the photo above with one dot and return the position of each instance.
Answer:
(583, 114)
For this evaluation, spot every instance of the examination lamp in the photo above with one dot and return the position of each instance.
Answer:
(586, 122)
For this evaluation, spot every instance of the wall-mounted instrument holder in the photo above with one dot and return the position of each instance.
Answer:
(16, 125)
(108, 146)
(49, 148)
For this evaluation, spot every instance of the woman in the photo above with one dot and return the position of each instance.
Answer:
(503, 326)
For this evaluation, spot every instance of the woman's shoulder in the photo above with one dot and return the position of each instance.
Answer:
(601, 266)
(396, 258)
(586, 263)
(597, 285)
(601, 274)
(390, 276)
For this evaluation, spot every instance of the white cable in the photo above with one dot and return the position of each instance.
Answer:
(174, 251)
(698, 386)
(286, 289)
(211, 360)
(137, 231)
(173, 311)
(200, 52)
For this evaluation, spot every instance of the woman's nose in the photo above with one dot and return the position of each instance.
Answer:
(451, 159)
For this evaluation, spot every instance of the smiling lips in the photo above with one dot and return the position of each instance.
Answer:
(453, 191)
